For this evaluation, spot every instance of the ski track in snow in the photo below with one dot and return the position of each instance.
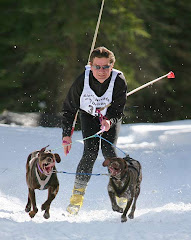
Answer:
(163, 207)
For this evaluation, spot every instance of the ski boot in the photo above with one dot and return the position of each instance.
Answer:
(76, 201)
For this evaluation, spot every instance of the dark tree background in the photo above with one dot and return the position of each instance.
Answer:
(44, 46)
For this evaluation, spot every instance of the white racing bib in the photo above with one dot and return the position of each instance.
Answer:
(89, 101)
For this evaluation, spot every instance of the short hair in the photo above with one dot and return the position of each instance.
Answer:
(102, 52)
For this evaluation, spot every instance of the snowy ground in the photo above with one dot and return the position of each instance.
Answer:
(163, 208)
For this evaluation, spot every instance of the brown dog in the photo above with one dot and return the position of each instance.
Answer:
(39, 175)
(125, 180)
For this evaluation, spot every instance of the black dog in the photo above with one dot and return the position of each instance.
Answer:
(39, 175)
(125, 180)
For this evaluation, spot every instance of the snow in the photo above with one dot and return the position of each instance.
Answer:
(163, 207)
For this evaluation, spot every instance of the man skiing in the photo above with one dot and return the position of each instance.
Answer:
(99, 94)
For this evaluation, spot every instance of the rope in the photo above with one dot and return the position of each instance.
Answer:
(96, 135)
(83, 139)
(92, 174)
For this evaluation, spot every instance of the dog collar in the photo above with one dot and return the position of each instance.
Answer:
(40, 169)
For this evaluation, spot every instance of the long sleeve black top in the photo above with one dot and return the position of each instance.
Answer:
(72, 101)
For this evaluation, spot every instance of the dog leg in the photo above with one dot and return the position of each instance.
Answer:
(114, 205)
(131, 214)
(28, 206)
(46, 214)
(123, 216)
(46, 205)
(33, 201)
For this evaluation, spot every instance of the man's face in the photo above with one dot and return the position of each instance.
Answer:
(101, 68)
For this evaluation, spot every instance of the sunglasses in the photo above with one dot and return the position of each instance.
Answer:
(97, 67)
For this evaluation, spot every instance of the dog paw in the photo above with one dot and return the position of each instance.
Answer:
(117, 209)
(46, 215)
(27, 208)
(131, 215)
(123, 218)
(33, 213)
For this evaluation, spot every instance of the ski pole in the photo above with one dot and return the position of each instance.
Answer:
(168, 75)
(92, 47)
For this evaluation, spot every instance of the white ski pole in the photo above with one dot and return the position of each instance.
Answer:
(92, 47)
(168, 75)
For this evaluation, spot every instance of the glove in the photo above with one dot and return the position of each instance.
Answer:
(66, 143)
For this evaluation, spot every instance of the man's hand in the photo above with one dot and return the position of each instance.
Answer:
(105, 124)
(66, 143)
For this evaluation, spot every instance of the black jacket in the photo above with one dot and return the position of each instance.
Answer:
(72, 101)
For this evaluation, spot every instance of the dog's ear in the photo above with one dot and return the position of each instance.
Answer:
(44, 149)
(57, 157)
(29, 157)
(106, 162)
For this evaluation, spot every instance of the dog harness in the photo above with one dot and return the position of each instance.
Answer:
(129, 162)
(41, 182)
(89, 101)
(119, 192)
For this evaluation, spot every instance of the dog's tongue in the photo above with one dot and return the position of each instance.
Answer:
(48, 168)
(112, 171)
